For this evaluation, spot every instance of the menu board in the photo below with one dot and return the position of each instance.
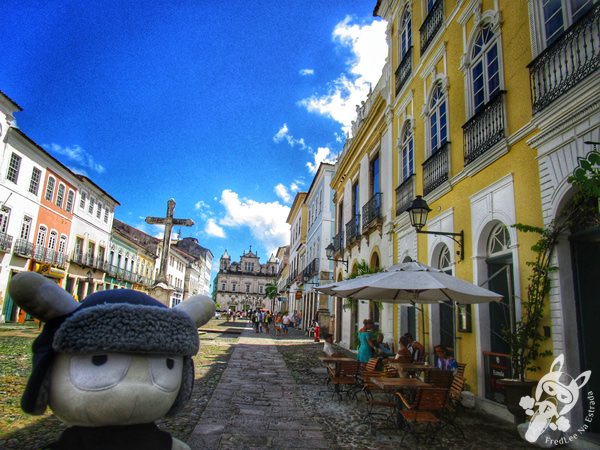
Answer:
(497, 366)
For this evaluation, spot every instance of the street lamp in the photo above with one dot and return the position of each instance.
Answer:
(329, 250)
(418, 211)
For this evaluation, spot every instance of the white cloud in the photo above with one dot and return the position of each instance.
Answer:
(306, 72)
(77, 154)
(266, 221)
(212, 229)
(295, 186)
(323, 154)
(283, 134)
(283, 193)
(369, 49)
(203, 209)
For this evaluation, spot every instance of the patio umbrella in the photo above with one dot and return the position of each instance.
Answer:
(413, 282)
(327, 288)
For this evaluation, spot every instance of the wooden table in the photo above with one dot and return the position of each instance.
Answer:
(335, 359)
(412, 366)
(393, 384)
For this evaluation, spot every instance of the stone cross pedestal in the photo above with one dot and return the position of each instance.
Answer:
(161, 290)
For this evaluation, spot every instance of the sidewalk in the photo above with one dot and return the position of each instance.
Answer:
(255, 404)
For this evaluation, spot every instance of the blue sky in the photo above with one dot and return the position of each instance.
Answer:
(226, 106)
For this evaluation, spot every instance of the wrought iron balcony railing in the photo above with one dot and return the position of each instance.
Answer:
(572, 57)
(23, 248)
(371, 211)
(431, 24)
(353, 230)
(435, 169)
(5, 242)
(405, 193)
(338, 242)
(484, 129)
(404, 70)
(77, 257)
(112, 270)
(45, 255)
(311, 269)
(100, 264)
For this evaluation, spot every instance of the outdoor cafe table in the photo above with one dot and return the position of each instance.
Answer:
(335, 359)
(394, 384)
(412, 366)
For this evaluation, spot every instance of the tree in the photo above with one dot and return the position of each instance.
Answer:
(271, 290)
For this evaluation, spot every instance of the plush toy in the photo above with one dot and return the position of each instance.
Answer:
(111, 365)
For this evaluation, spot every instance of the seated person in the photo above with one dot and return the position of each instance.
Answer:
(444, 359)
(416, 349)
(328, 348)
(403, 354)
(382, 348)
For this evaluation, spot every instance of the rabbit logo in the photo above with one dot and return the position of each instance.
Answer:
(556, 394)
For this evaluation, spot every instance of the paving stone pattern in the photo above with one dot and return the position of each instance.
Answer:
(256, 405)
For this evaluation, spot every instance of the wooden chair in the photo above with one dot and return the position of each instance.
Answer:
(346, 378)
(381, 406)
(460, 371)
(439, 378)
(454, 405)
(423, 411)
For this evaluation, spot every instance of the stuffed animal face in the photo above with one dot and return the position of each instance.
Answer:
(113, 388)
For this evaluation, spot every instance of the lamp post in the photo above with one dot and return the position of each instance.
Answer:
(329, 251)
(418, 211)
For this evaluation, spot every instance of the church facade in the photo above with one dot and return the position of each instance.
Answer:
(241, 285)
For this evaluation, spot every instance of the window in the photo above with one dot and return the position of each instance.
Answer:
(355, 199)
(52, 240)
(25, 227)
(78, 248)
(13, 168)
(91, 248)
(558, 15)
(484, 68)
(101, 253)
(223, 286)
(91, 206)
(34, 183)
(41, 237)
(99, 210)
(233, 287)
(60, 195)
(105, 215)
(407, 153)
(50, 189)
(438, 126)
(70, 197)
(82, 199)
(374, 172)
(4, 216)
(405, 34)
(62, 245)
(446, 309)
(247, 287)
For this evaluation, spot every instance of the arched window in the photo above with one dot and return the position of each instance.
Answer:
(446, 309)
(485, 72)
(405, 34)
(500, 272)
(407, 152)
(50, 189)
(41, 237)
(52, 240)
(60, 195)
(438, 120)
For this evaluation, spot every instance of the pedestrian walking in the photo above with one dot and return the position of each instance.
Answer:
(267, 320)
(277, 321)
(285, 323)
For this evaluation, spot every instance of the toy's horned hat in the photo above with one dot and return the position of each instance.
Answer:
(119, 320)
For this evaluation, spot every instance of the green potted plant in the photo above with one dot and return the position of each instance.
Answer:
(526, 337)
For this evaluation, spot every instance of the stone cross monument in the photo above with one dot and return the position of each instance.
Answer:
(161, 289)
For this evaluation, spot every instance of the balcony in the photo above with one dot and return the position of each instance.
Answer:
(112, 270)
(311, 269)
(405, 193)
(567, 61)
(435, 169)
(23, 248)
(371, 212)
(431, 24)
(338, 242)
(5, 242)
(100, 264)
(484, 129)
(353, 230)
(49, 256)
(404, 70)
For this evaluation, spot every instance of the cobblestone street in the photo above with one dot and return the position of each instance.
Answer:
(271, 395)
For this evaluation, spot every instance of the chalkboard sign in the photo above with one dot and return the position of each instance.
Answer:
(497, 366)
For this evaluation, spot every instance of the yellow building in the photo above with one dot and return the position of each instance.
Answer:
(452, 119)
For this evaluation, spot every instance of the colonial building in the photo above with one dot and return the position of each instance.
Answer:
(316, 268)
(297, 219)
(241, 285)
(202, 261)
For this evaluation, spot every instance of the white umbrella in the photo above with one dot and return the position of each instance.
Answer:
(413, 282)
